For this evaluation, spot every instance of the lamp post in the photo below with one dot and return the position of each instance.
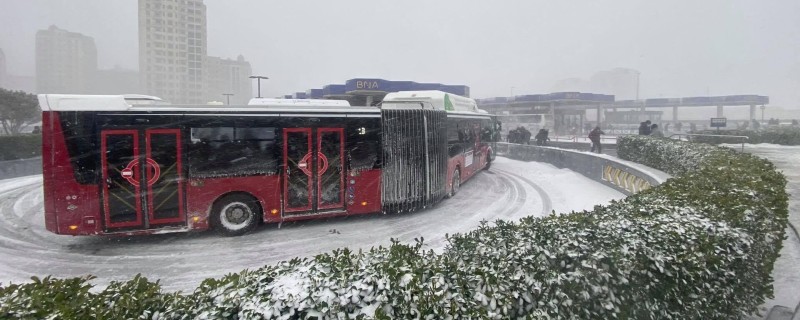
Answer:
(228, 97)
(762, 112)
(259, 83)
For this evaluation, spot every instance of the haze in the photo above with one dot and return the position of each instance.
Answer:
(681, 48)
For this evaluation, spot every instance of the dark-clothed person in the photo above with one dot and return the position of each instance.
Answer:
(656, 132)
(644, 128)
(594, 136)
(525, 136)
(541, 137)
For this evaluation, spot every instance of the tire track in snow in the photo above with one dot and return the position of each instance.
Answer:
(547, 203)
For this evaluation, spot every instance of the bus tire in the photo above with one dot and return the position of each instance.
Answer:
(455, 183)
(488, 161)
(235, 214)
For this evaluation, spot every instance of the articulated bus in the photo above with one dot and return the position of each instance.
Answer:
(113, 165)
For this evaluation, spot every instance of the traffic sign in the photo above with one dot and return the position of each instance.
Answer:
(719, 122)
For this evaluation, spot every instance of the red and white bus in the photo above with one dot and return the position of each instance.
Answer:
(113, 165)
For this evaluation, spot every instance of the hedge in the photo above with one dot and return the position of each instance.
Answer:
(20, 147)
(789, 136)
(701, 246)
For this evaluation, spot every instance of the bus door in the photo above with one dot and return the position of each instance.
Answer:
(142, 178)
(313, 170)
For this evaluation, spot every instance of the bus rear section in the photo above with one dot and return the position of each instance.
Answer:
(100, 179)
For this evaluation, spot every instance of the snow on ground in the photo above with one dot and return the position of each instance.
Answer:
(787, 268)
(510, 190)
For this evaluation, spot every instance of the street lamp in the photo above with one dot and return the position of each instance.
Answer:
(259, 83)
(228, 97)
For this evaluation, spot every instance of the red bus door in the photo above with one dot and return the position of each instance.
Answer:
(142, 178)
(313, 170)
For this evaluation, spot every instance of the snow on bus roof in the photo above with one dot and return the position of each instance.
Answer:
(68, 102)
(298, 102)
(439, 100)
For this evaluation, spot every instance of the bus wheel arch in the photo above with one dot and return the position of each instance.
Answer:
(235, 213)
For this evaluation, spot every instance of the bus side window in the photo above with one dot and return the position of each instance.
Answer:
(363, 155)
(454, 146)
(229, 151)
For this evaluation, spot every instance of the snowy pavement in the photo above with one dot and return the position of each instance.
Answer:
(510, 190)
(787, 268)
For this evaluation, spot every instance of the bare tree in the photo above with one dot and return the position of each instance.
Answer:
(17, 108)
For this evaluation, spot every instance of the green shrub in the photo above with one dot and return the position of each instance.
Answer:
(699, 246)
(789, 136)
(20, 147)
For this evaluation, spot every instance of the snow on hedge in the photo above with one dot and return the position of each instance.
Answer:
(701, 245)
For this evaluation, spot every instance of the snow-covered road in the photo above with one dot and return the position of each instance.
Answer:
(510, 190)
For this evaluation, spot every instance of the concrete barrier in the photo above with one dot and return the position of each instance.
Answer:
(22, 167)
(615, 174)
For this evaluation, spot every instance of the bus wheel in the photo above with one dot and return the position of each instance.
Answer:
(235, 215)
(456, 183)
(488, 161)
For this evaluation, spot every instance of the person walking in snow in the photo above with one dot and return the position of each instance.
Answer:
(525, 136)
(644, 128)
(656, 132)
(594, 136)
(541, 137)
(512, 136)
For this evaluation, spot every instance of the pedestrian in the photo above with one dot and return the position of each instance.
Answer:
(512, 136)
(541, 137)
(656, 132)
(525, 136)
(594, 136)
(644, 128)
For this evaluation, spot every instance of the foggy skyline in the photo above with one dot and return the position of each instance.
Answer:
(681, 48)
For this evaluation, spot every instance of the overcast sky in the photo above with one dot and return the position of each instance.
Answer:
(682, 48)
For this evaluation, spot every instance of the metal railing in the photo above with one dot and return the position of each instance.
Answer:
(744, 138)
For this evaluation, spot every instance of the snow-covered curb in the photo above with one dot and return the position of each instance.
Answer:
(624, 176)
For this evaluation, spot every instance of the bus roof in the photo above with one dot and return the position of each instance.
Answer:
(64, 102)
(297, 102)
(438, 100)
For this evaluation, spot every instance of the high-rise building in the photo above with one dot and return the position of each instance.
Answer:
(65, 61)
(173, 49)
(227, 76)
